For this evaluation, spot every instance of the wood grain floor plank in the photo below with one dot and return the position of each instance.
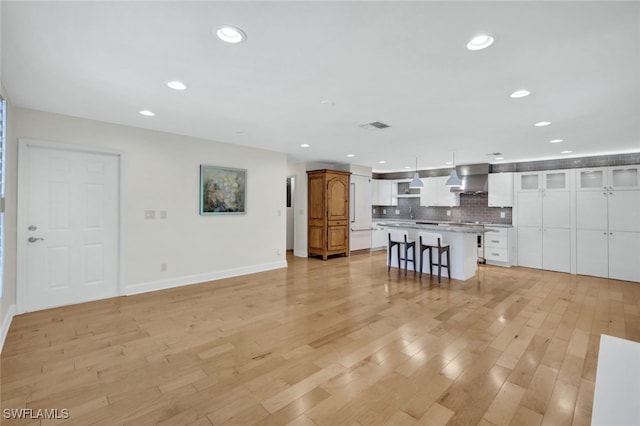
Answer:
(340, 342)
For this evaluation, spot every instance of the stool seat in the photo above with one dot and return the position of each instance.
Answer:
(433, 241)
(400, 238)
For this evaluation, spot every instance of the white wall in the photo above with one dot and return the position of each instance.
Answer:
(161, 172)
(299, 170)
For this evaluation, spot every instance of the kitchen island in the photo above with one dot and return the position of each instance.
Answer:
(462, 239)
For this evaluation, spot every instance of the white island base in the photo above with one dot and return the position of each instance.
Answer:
(463, 251)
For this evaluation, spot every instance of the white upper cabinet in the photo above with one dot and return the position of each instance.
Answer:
(384, 192)
(529, 181)
(436, 193)
(609, 178)
(500, 189)
(624, 177)
(552, 180)
(594, 179)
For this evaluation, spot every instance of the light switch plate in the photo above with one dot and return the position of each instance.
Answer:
(503, 215)
(149, 214)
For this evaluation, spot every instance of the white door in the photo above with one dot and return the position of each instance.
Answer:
(591, 209)
(624, 256)
(593, 253)
(360, 204)
(530, 209)
(556, 209)
(624, 211)
(556, 249)
(72, 220)
(530, 247)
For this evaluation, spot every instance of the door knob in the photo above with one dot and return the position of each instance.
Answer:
(34, 239)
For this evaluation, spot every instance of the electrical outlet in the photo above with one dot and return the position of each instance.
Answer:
(397, 211)
(374, 210)
(163, 214)
(384, 211)
(503, 215)
(279, 252)
(448, 212)
(163, 267)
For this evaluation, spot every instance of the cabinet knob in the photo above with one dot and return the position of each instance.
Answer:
(610, 233)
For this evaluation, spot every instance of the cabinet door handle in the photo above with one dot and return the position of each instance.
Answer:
(495, 254)
(495, 241)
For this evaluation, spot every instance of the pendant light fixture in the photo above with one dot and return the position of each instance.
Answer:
(454, 180)
(416, 182)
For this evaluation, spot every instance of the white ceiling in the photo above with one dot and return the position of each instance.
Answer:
(403, 63)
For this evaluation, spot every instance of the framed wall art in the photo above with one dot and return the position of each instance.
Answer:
(222, 190)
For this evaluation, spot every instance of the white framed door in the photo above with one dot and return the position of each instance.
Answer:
(69, 212)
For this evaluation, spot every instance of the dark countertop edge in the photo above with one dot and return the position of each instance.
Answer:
(390, 220)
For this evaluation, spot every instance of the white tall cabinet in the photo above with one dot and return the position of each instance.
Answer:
(608, 222)
(544, 219)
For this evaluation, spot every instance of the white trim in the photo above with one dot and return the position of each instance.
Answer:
(6, 323)
(201, 278)
(300, 253)
(23, 145)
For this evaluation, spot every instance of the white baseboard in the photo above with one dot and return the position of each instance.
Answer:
(200, 278)
(300, 253)
(6, 323)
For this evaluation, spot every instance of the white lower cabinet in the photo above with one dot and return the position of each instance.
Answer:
(556, 249)
(379, 238)
(609, 254)
(624, 256)
(593, 252)
(498, 246)
(608, 226)
(530, 247)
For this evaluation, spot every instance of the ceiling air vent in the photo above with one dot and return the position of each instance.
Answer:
(375, 125)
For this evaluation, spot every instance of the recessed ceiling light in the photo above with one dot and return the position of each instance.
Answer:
(231, 34)
(147, 113)
(542, 123)
(566, 152)
(520, 94)
(480, 42)
(305, 145)
(177, 85)
(382, 162)
(351, 155)
(556, 140)
(499, 158)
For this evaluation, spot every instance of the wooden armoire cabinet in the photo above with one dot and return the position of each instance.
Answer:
(328, 210)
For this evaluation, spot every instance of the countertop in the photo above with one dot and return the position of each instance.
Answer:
(444, 227)
(440, 224)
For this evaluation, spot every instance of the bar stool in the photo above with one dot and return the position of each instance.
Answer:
(429, 241)
(398, 238)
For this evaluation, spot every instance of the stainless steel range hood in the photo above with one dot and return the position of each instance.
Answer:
(474, 179)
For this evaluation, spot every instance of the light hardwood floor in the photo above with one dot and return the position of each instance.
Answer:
(340, 342)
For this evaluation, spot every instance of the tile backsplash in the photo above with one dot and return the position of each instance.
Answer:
(472, 208)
